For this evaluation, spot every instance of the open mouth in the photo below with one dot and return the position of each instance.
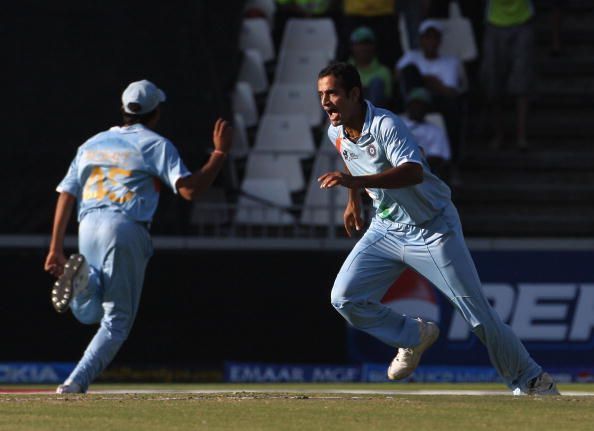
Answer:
(333, 114)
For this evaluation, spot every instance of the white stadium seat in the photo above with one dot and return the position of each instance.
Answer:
(266, 6)
(264, 202)
(295, 99)
(253, 71)
(255, 34)
(310, 34)
(243, 103)
(457, 39)
(287, 133)
(318, 202)
(240, 147)
(270, 166)
(300, 67)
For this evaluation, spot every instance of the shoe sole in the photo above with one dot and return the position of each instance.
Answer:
(62, 291)
(422, 347)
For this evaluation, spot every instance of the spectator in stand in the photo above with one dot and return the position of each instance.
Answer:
(375, 77)
(507, 66)
(380, 16)
(443, 76)
(430, 137)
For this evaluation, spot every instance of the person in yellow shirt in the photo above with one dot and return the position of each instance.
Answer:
(380, 16)
(375, 77)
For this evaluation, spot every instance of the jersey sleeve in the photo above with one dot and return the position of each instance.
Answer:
(164, 162)
(70, 183)
(398, 142)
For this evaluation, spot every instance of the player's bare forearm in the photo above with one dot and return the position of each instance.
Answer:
(405, 175)
(55, 260)
(354, 193)
(62, 215)
(191, 187)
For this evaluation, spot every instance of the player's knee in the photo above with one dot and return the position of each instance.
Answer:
(355, 313)
(118, 328)
(87, 316)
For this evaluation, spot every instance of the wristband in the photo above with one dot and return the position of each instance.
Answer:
(222, 153)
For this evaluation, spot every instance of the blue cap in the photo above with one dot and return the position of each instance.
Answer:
(362, 35)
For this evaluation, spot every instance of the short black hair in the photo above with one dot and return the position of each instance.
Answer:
(346, 74)
(130, 119)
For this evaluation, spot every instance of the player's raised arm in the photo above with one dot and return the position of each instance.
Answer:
(55, 260)
(192, 186)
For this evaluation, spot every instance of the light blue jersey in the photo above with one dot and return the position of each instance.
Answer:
(416, 227)
(122, 170)
(386, 142)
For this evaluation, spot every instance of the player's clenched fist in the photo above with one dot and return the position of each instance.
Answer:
(54, 263)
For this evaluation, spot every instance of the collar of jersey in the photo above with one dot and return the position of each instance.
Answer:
(127, 129)
(366, 123)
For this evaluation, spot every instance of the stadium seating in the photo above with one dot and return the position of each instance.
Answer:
(289, 133)
(458, 37)
(269, 166)
(211, 209)
(240, 148)
(300, 67)
(253, 71)
(310, 34)
(264, 201)
(243, 103)
(267, 7)
(255, 34)
(318, 202)
(295, 99)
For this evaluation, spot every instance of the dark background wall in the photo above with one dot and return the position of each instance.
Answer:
(65, 65)
(197, 308)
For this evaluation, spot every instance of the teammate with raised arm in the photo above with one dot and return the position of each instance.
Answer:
(115, 178)
(416, 225)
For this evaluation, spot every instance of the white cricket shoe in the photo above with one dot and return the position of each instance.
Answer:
(407, 359)
(70, 388)
(73, 281)
(543, 385)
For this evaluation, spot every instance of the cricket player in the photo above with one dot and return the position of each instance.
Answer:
(415, 225)
(115, 178)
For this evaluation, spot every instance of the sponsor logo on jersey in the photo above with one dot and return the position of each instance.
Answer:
(349, 155)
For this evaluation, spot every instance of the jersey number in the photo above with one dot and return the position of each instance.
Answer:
(98, 186)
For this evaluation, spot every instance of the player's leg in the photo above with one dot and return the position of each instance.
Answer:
(444, 259)
(127, 248)
(86, 304)
(367, 273)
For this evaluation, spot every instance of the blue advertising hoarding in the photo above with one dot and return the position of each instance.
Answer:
(547, 297)
(34, 372)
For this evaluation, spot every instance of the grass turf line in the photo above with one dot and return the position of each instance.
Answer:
(266, 411)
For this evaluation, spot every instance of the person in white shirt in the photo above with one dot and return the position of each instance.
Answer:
(430, 137)
(443, 76)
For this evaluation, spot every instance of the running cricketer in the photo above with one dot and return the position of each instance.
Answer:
(115, 178)
(415, 225)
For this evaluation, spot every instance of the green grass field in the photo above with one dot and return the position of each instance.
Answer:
(295, 407)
